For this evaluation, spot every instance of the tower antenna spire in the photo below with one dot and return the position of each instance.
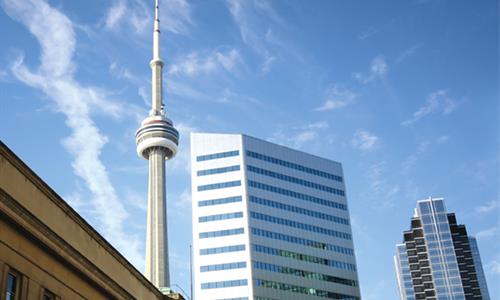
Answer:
(156, 64)
(156, 32)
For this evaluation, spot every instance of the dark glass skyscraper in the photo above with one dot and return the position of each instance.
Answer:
(437, 260)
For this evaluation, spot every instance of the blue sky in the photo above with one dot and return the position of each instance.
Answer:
(403, 93)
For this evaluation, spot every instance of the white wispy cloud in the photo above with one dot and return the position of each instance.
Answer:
(175, 16)
(115, 14)
(136, 199)
(300, 136)
(184, 90)
(368, 33)
(182, 203)
(365, 141)
(437, 102)
(3, 75)
(407, 53)
(198, 63)
(229, 96)
(337, 97)
(378, 69)
(488, 233)
(268, 62)
(249, 16)
(377, 176)
(54, 31)
(145, 96)
(422, 147)
(182, 160)
(489, 207)
(121, 72)
(493, 267)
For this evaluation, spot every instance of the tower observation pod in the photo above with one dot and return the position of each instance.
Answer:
(157, 141)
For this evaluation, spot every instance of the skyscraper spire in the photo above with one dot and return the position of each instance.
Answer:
(156, 33)
(157, 67)
(157, 141)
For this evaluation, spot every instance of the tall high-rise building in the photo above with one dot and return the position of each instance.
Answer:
(437, 259)
(157, 141)
(269, 222)
(479, 268)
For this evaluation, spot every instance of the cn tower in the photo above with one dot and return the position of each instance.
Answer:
(157, 141)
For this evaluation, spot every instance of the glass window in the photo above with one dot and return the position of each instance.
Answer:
(217, 155)
(12, 292)
(48, 295)
(299, 225)
(439, 206)
(424, 208)
(293, 166)
(218, 170)
(290, 193)
(298, 210)
(295, 180)
(219, 201)
(301, 241)
(220, 185)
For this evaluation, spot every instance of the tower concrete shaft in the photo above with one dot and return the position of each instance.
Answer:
(157, 141)
(156, 240)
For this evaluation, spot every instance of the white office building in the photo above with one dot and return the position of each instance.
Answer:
(269, 222)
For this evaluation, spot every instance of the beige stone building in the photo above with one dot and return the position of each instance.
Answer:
(48, 251)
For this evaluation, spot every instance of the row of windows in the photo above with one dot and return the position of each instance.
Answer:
(217, 155)
(302, 290)
(304, 257)
(219, 201)
(302, 273)
(303, 226)
(295, 180)
(221, 267)
(218, 170)
(218, 233)
(14, 282)
(436, 218)
(294, 166)
(301, 241)
(299, 210)
(217, 250)
(223, 284)
(219, 217)
(293, 194)
(219, 185)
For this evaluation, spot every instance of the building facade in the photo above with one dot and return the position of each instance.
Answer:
(47, 251)
(436, 260)
(269, 222)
